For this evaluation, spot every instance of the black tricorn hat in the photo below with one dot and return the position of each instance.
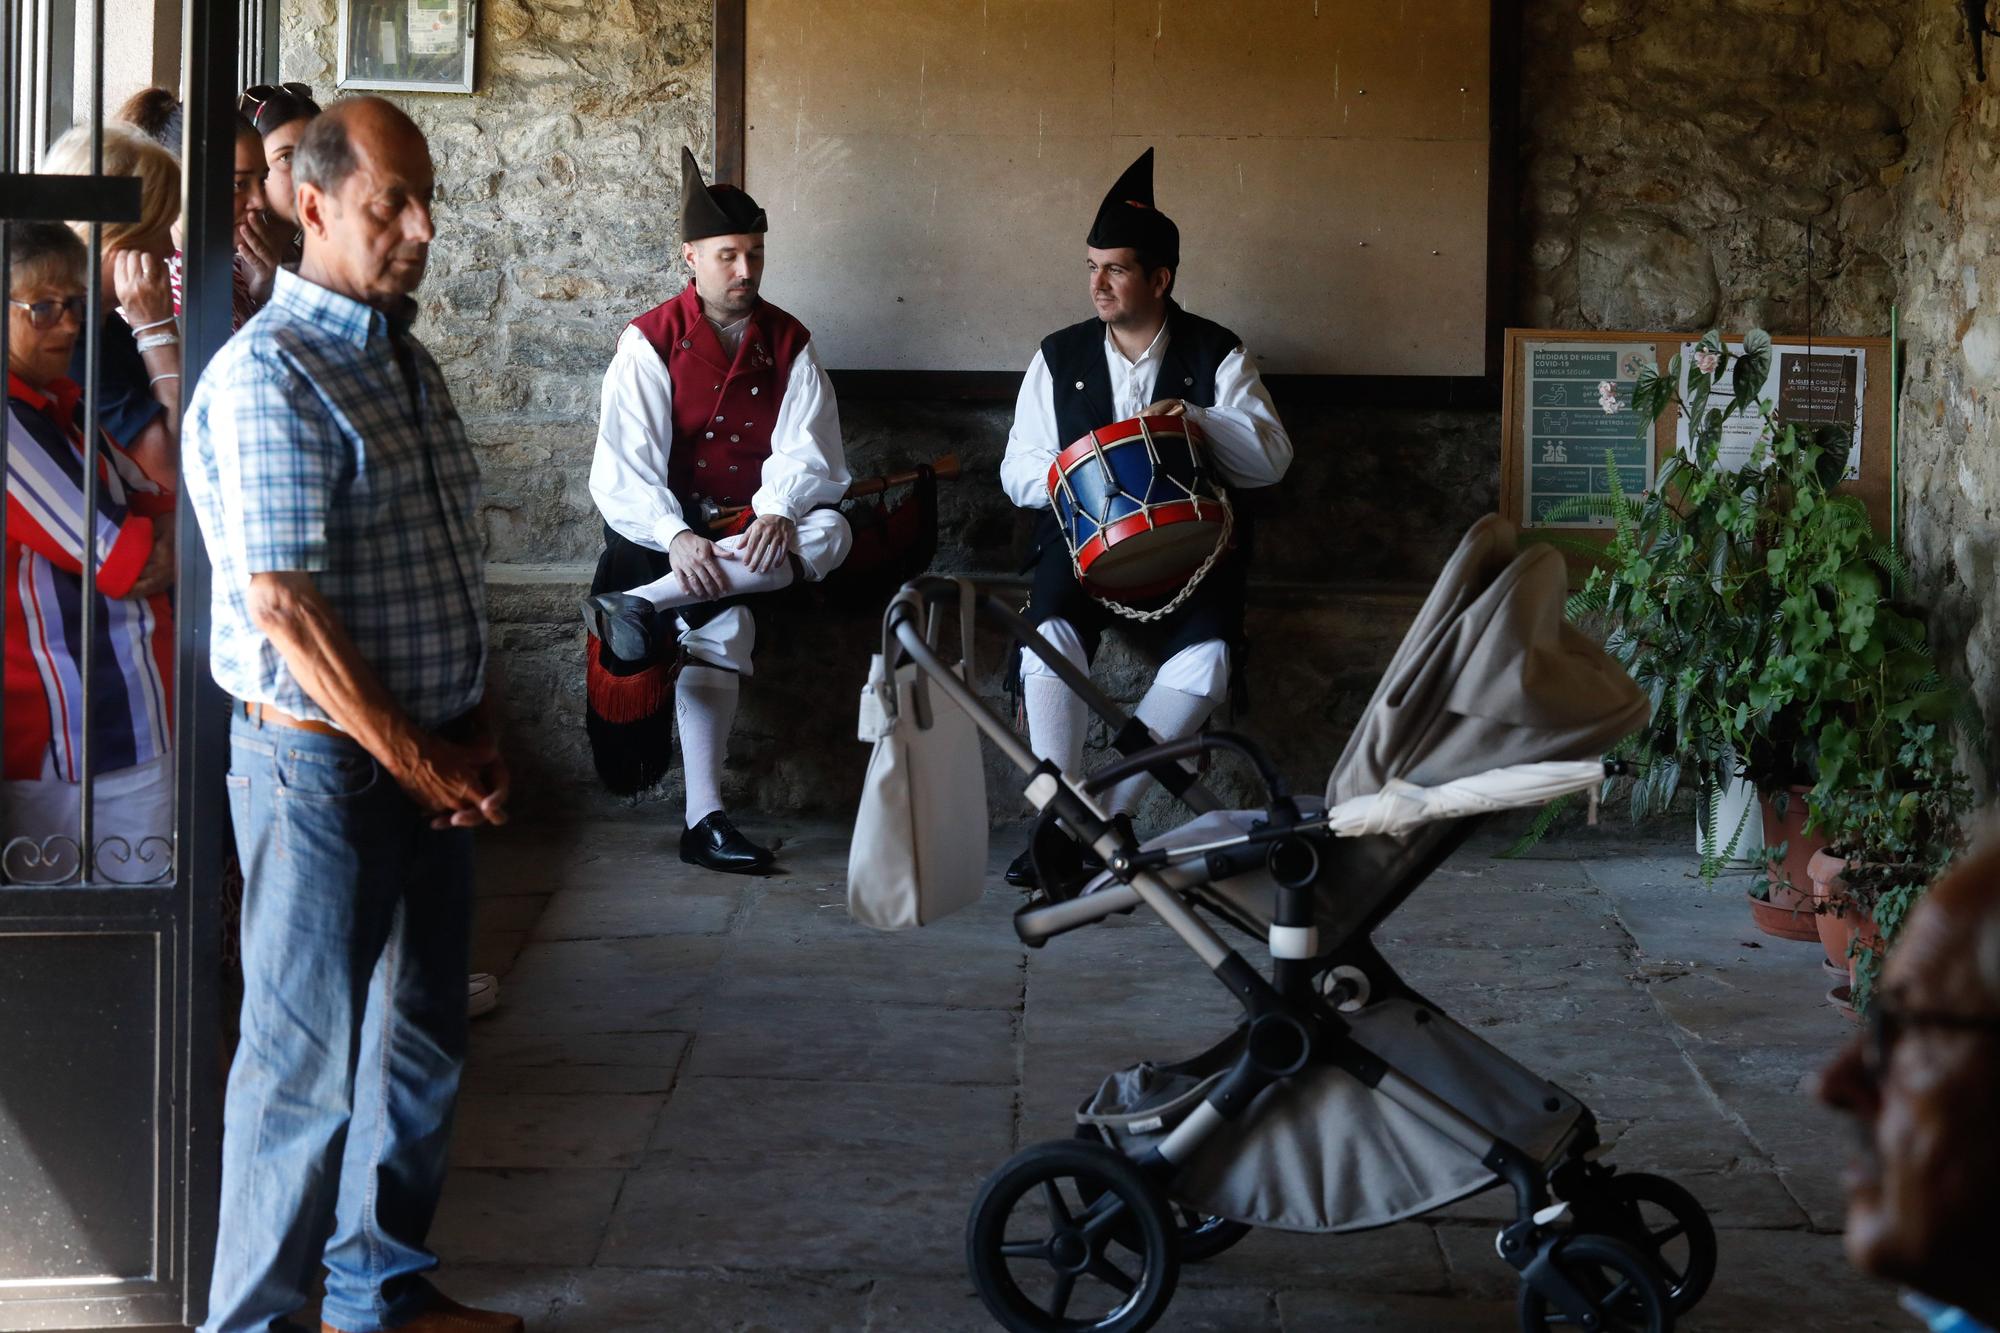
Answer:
(714, 210)
(1127, 217)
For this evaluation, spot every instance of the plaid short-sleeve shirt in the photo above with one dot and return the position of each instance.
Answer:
(307, 450)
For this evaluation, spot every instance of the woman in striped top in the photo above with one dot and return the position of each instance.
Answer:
(133, 638)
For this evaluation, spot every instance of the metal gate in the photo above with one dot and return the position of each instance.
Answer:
(111, 1055)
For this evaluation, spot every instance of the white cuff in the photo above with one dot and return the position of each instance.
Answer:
(667, 528)
(766, 505)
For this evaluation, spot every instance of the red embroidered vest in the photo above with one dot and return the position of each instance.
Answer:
(724, 412)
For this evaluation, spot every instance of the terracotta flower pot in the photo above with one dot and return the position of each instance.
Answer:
(1788, 915)
(1836, 924)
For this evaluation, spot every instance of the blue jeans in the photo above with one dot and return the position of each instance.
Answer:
(357, 924)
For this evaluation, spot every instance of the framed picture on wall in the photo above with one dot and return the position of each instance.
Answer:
(421, 46)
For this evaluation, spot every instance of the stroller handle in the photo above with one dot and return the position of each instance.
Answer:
(904, 622)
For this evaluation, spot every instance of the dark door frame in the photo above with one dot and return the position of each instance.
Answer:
(181, 918)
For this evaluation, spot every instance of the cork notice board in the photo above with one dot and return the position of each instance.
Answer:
(1550, 413)
(930, 168)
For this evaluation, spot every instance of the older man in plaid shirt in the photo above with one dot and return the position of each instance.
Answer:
(336, 492)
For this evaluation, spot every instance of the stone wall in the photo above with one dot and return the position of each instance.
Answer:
(1948, 232)
(1675, 154)
(1784, 163)
(557, 223)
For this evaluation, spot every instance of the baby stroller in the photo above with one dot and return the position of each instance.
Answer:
(1343, 1100)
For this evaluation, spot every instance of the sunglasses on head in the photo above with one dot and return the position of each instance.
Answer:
(47, 314)
(260, 95)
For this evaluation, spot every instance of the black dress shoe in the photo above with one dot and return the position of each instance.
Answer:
(623, 623)
(716, 844)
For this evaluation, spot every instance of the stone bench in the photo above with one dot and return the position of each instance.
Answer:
(1315, 655)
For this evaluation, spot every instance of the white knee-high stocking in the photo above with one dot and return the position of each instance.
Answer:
(704, 708)
(1170, 714)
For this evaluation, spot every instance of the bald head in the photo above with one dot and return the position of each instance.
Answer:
(364, 184)
(1926, 1098)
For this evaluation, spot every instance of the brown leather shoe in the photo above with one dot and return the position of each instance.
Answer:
(448, 1316)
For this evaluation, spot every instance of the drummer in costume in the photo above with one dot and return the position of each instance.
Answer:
(714, 400)
(1141, 355)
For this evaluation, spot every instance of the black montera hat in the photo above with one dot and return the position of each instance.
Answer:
(714, 210)
(1127, 217)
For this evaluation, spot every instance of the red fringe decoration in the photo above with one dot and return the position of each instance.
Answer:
(631, 698)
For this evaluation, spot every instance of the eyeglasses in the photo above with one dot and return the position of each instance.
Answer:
(48, 314)
(1887, 1022)
(258, 95)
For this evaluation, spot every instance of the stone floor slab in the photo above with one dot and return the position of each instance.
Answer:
(624, 911)
(538, 1129)
(525, 1217)
(769, 1038)
(734, 1119)
(833, 1213)
(625, 1300)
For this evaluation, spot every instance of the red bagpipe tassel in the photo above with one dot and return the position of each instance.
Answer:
(630, 721)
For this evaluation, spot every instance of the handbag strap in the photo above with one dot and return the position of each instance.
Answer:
(968, 620)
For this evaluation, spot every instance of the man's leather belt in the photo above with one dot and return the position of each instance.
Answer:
(265, 715)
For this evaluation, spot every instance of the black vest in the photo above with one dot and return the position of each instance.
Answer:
(1075, 357)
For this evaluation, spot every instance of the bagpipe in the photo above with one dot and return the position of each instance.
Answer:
(629, 706)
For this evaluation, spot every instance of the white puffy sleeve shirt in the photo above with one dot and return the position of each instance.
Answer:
(1246, 441)
(635, 431)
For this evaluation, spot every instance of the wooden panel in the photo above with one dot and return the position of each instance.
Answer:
(930, 170)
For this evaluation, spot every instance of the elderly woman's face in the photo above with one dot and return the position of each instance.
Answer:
(41, 355)
(1921, 1187)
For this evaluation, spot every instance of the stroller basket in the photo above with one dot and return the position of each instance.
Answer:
(1321, 1152)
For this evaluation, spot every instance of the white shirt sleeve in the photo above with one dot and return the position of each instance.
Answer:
(807, 466)
(1245, 437)
(1031, 444)
(635, 431)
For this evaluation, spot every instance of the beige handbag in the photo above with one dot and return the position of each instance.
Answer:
(919, 849)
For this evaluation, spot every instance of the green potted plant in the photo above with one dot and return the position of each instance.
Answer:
(1679, 590)
(1754, 605)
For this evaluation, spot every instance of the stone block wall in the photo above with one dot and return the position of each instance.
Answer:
(1795, 164)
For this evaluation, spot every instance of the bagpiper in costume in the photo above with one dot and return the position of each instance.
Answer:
(713, 401)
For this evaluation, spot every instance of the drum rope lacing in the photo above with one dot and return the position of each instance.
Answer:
(1146, 510)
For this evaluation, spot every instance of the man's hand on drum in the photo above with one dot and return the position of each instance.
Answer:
(1166, 407)
(697, 564)
(764, 544)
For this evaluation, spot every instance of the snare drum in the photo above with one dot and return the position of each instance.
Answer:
(1138, 507)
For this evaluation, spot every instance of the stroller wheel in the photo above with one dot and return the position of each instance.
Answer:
(1623, 1286)
(1045, 1248)
(1663, 1220)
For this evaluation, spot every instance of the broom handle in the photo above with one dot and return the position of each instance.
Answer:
(944, 469)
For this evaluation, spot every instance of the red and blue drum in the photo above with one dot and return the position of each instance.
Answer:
(1138, 506)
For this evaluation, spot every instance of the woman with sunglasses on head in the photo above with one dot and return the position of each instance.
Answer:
(280, 113)
(131, 671)
(139, 349)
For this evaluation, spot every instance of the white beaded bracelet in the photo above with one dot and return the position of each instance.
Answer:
(152, 340)
(156, 324)
(170, 375)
